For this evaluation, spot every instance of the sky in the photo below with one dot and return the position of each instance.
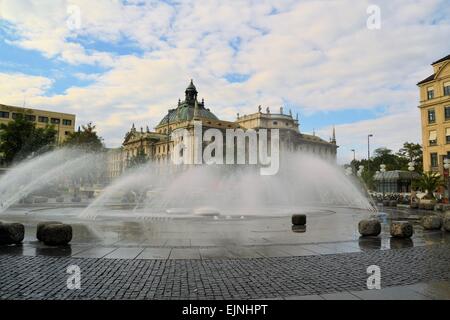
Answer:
(115, 63)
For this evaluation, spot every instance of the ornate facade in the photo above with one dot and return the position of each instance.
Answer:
(157, 145)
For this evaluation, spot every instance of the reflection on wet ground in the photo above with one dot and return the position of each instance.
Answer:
(328, 231)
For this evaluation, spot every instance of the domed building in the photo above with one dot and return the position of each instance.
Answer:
(157, 145)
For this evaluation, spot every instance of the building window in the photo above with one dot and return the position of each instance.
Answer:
(4, 114)
(16, 115)
(55, 121)
(447, 113)
(447, 135)
(434, 159)
(43, 119)
(433, 138)
(447, 89)
(430, 93)
(431, 116)
(67, 122)
(275, 123)
(30, 117)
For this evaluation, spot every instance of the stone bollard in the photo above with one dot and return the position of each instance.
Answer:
(56, 234)
(401, 229)
(446, 222)
(42, 225)
(370, 227)
(431, 222)
(11, 233)
(298, 229)
(299, 219)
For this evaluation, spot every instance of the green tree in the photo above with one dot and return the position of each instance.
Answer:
(429, 182)
(20, 139)
(412, 152)
(397, 161)
(85, 138)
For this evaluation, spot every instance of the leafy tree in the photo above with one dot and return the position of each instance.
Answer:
(86, 139)
(429, 182)
(20, 139)
(393, 161)
(412, 152)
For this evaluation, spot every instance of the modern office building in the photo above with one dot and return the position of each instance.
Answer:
(64, 123)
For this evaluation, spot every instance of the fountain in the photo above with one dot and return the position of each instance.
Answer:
(207, 190)
(201, 203)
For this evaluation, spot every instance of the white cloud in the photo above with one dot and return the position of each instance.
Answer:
(18, 88)
(313, 55)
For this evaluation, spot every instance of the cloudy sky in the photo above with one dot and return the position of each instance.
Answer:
(117, 62)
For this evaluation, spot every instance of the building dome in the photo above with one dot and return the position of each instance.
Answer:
(191, 87)
(185, 109)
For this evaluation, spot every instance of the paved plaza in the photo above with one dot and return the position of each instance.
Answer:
(227, 257)
(44, 277)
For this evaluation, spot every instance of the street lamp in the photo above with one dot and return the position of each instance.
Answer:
(368, 151)
(382, 170)
(354, 158)
(447, 166)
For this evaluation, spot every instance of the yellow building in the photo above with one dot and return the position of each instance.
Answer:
(435, 115)
(63, 123)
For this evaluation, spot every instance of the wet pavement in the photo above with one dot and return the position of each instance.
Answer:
(328, 231)
(405, 274)
(242, 257)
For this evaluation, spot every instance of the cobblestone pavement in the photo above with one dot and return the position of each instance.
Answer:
(44, 277)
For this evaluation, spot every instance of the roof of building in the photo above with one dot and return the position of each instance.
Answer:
(185, 109)
(447, 57)
(31, 110)
(135, 135)
(396, 175)
(313, 138)
(186, 112)
(427, 79)
(431, 78)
